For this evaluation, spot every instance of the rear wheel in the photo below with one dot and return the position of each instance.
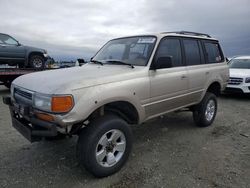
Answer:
(104, 146)
(36, 61)
(205, 112)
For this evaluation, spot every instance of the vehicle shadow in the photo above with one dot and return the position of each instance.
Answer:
(57, 159)
(237, 96)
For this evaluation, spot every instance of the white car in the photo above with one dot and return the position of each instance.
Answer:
(239, 75)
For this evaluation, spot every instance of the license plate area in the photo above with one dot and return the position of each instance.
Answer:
(21, 109)
(25, 130)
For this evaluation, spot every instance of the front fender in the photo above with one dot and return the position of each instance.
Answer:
(87, 100)
(32, 50)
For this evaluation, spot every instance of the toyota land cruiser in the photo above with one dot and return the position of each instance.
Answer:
(129, 81)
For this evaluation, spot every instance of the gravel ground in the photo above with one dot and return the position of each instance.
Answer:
(168, 152)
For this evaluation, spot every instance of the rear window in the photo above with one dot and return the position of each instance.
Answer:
(213, 52)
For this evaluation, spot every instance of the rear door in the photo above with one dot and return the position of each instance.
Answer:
(168, 86)
(197, 70)
(204, 60)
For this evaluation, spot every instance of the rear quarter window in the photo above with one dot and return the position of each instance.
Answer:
(213, 52)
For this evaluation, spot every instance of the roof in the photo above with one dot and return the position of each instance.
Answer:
(187, 34)
(177, 34)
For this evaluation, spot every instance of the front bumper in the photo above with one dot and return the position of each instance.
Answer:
(25, 123)
(241, 88)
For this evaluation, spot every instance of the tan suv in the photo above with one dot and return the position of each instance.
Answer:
(129, 81)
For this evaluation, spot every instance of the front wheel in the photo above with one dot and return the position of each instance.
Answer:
(36, 61)
(205, 112)
(104, 146)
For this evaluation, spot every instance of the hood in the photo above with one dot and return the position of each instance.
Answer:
(241, 73)
(61, 80)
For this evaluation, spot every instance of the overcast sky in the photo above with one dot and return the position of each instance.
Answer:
(78, 28)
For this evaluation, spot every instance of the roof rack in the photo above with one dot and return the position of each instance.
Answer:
(189, 33)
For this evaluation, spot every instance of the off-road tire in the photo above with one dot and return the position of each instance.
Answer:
(199, 111)
(89, 139)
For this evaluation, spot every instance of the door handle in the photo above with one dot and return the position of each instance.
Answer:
(207, 73)
(2, 45)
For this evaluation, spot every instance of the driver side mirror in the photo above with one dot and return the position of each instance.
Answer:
(81, 61)
(162, 63)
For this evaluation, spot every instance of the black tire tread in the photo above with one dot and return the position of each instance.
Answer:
(199, 111)
(88, 137)
(36, 56)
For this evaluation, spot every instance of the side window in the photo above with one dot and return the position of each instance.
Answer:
(5, 39)
(171, 48)
(10, 41)
(213, 53)
(192, 52)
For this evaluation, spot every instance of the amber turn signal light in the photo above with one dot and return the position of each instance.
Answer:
(45, 117)
(60, 104)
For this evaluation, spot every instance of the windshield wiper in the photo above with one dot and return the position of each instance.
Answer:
(121, 63)
(97, 62)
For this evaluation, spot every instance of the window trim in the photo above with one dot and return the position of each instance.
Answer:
(202, 54)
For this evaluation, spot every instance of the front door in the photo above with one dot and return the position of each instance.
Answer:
(168, 86)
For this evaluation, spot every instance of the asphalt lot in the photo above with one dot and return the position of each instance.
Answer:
(168, 152)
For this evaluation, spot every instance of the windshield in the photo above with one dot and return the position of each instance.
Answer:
(239, 64)
(131, 50)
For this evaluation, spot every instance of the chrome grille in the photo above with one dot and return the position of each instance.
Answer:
(235, 81)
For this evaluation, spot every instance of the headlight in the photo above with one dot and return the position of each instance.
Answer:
(247, 80)
(42, 102)
(53, 103)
